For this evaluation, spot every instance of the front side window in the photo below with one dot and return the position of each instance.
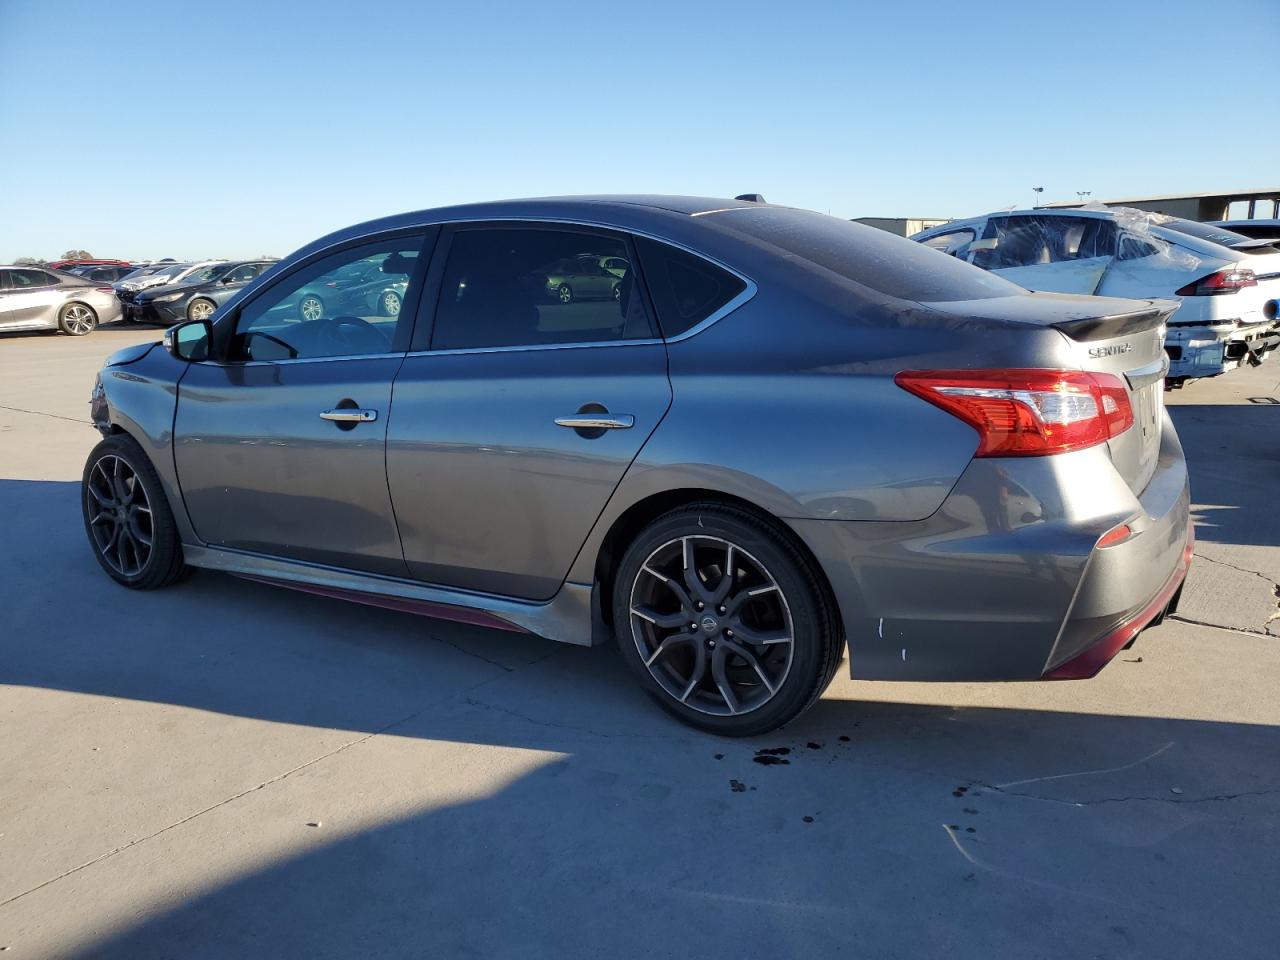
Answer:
(517, 287)
(245, 272)
(956, 243)
(344, 305)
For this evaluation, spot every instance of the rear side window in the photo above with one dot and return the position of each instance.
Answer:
(517, 287)
(893, 266)
(685, 288)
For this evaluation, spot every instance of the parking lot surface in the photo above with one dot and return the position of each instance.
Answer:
(227, 769)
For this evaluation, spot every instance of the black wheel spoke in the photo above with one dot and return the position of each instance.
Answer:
(668, 621)
(722, 680)
(697, 673)
(760, 637)
(675, 640)
(752, 661)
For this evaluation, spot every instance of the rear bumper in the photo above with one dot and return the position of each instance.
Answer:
(1089, 661)
(1203, 351)
(1005, 581)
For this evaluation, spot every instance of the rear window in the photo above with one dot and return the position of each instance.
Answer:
(1204, 231)
(890, 265)
(685, 288)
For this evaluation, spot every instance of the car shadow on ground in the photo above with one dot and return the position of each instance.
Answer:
(1233, 455)
(893, 829)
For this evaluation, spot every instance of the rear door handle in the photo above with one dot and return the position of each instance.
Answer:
(597, 421)
(350, 415)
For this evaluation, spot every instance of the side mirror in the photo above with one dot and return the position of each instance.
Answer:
(189, 341)
(226, 280)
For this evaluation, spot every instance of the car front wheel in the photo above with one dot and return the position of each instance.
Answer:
(724, 621)
(565, 293)
(128, 520)
(201, 309)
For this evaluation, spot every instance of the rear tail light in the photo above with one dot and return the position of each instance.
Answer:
(1224, 281)
(1028, 413)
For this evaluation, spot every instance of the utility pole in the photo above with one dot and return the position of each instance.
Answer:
(1037, 191)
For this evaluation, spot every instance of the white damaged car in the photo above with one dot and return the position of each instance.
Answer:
(1228, 294)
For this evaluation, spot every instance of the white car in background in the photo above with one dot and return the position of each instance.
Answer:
(1228, 294)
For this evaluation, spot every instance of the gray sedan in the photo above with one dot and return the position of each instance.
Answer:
(35, 298)
(787, 436)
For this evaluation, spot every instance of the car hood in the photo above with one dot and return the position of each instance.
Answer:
(132, 354)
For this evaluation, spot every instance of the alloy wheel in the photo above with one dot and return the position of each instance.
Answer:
(201, 310)
(391, 304)
(311, 308)
(78, 319)
(566, 294)
(119, 515)
(711, 625)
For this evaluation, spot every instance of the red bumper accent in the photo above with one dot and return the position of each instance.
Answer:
(1090, 661)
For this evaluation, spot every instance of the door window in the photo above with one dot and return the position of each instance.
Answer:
(30, 279)
(956, 243)
(517, 287)
(347, 304)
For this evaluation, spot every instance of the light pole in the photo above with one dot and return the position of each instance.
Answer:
(1082, 194)
(1037, 191)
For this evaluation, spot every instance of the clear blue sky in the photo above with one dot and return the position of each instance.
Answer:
(142, 129)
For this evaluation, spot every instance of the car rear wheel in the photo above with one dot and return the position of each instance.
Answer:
(724, 621)
(128, 520)
(310, 307)
(76, 319)
(565, 293)
(201, 309)
(391, 304)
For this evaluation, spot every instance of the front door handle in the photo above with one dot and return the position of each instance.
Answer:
(597, 421)
(350, 415)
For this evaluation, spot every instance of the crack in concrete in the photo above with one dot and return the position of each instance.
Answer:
(41, 413)
(1232, 566)
(1217, 626)
(1215, 798)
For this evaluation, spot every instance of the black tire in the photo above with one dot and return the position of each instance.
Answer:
(164, 563)
(198, 307)
(564, 293)
(803, 609)
(77, 319)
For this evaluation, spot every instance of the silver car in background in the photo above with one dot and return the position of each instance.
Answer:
(784, 435)
(36, 298)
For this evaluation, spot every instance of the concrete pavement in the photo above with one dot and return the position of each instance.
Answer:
(230, 769)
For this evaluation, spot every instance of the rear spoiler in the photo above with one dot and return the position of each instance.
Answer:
(1147, 315)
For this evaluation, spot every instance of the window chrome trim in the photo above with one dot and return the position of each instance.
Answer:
(741, 299)
(399, 354)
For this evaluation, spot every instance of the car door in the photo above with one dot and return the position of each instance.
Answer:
(1062, 254)
(6, 291)
(515, 415)
(33, 298)
(280, 442)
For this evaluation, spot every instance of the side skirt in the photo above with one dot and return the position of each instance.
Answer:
(567, 617)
